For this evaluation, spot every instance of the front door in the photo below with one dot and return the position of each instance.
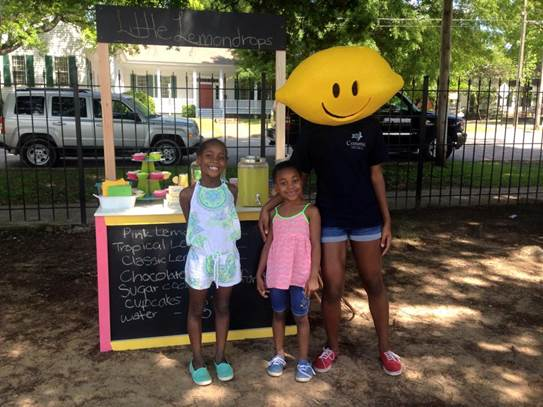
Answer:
(206, 96)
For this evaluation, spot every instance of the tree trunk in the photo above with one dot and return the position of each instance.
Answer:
(444, 64)
(520, 62)
(537, 122)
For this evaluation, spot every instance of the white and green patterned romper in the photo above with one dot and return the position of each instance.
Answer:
(212, 231)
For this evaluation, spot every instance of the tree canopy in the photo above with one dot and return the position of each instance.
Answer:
(407, 32)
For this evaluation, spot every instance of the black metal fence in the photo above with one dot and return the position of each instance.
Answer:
(51, 147)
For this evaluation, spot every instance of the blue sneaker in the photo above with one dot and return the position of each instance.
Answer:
(276, 366)
(200, 376)
(224, 371)
(304, 371)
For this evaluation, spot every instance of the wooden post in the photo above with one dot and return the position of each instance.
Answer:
(280, 79)
(107, 112)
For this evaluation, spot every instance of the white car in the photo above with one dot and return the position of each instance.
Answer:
(39, 125)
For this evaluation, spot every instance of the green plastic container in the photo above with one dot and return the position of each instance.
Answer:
(120, 190)
(253, 177)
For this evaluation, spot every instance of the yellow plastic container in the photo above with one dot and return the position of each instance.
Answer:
(253, 181)
(109, 183)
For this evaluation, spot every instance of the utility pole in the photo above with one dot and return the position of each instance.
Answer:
(537, 125)
(520, 60)
(444, 65)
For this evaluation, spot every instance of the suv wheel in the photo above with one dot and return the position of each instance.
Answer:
(38, 152)
(431, 150)
(171, 150)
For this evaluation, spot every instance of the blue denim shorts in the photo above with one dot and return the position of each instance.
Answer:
(333, 234)
(299, 303)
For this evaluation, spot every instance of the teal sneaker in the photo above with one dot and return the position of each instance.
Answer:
(225, 372)
(276, 366)
(200, 376)
(304, 371)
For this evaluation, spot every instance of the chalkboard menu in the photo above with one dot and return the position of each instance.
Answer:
(189, 28)
(147, 290)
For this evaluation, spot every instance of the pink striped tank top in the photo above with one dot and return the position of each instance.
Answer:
(289, 259)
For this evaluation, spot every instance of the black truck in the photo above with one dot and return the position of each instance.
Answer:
(400, 122)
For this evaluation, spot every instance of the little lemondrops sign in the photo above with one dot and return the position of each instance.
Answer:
(177, 27)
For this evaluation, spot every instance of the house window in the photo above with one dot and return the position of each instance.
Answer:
(19, 69)
(61, 71)
(145, 83)
(166, 86)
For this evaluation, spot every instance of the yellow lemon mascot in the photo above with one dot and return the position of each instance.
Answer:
(336, 91)
(340, 85)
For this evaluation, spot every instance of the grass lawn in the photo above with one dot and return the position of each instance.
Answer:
(478, 174)
(60, 186)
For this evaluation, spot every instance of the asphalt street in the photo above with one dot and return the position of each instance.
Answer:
(496, 144)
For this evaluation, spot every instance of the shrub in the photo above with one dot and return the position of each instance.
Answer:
(145, 99)
(188, 111)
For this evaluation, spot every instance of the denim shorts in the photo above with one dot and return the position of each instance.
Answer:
(333, 234)
(299, 303)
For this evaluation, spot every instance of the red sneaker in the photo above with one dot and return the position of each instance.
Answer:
(325, 360)
(391, 362)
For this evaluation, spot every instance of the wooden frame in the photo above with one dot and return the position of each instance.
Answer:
(156, 27)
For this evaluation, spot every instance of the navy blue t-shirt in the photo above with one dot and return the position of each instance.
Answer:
(341, 157)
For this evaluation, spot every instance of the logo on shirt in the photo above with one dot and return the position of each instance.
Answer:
(357, 141)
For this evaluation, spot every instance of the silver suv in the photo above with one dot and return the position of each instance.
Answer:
(39, 125)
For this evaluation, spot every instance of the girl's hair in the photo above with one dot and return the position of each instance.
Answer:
(283, 165)
(210, 141)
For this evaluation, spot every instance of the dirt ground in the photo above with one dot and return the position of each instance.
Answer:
(466, 296)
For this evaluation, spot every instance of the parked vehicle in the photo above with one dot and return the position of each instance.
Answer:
(400, 122)
(39, 125)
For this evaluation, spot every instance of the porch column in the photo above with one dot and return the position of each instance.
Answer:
(158, 89)
(221, 91)
(221, 85)
(195, 100)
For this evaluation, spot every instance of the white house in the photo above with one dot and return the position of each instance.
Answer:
(65, 50)
(174, 77)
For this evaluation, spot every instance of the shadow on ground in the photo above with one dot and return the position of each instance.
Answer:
(466, 294)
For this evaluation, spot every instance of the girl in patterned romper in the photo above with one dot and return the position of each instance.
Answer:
(289, 266)
(212, 230)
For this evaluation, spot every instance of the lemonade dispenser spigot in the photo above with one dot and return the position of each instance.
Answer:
(253, 178)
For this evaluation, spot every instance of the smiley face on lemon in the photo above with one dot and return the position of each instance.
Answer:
(339, 85)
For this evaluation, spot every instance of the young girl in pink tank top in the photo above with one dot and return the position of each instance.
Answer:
(289, 266)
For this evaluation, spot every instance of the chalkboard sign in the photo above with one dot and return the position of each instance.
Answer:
(147, 290)
(177, 27)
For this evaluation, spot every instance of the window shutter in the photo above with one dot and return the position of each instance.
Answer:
(149, 84)
(88, 68)
(49, 71)
(72, 70)
(133, 83)
(29, 63)
(7, 71)
(236, 89)
(174, 86)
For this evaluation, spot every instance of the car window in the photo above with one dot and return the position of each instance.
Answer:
(64, 106)
(395, 105)
(120, 110)
(29, 105)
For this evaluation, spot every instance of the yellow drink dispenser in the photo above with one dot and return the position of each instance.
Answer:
(253, 177)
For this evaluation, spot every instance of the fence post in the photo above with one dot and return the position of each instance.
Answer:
(263, 115)
(422, 141)
(81, 171)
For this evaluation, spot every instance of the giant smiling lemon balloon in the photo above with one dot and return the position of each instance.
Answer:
(339, 85)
